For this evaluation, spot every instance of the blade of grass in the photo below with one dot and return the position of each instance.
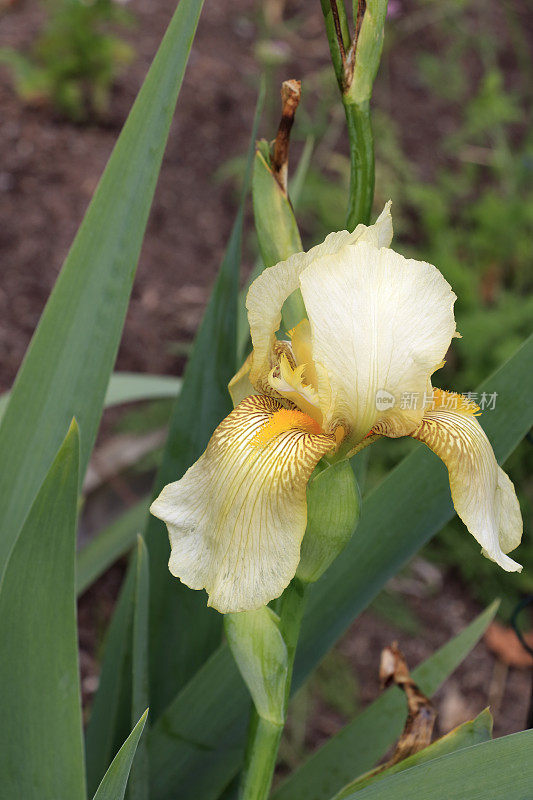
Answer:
(41, 747)
(67, 367)
(113, 786)
(138, 783)
(108, 545)
(111, 709)
(128, 387)
(409, 507)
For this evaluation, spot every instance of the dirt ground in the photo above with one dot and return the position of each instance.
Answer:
(48, 171)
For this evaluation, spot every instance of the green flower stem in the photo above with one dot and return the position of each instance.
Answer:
(264, 735)
(260, 759)
(355, 67)
(361, 162)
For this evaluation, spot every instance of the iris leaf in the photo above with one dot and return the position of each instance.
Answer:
(138, 784)
(469, 733)
(109, 544)
(128, 387)
(41, 746)
(502, 768)
(183, 749)
(66, 370)
(113, 785)
(109, 722)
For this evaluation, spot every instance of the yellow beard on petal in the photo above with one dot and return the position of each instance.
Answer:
(285, 420)
(442, 400)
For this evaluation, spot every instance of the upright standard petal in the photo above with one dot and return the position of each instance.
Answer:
(237, 517)
(270, 290)
(482, 494)
(380, 324)
(240, 386)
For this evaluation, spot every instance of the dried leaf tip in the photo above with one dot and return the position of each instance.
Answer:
(421, 714)
(290, 97)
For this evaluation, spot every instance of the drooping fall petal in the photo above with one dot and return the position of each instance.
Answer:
(237, 517)
(482, 493)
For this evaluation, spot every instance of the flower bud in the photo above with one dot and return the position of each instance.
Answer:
(333, 508)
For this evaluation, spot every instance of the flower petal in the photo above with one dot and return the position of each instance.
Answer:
(237, 517)
(482, 493)
(240, 385)
(380, 325)
(270, 290)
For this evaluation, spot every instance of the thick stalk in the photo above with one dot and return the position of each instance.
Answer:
(263, 735)
(361, 162)
(260, 758)
(355, 70)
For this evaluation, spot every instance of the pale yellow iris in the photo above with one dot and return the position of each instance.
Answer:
(378, 327)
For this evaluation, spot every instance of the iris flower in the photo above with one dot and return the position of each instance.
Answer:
(378, 326)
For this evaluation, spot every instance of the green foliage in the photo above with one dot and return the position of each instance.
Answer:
(113, 785)
(260, 652)
(469, 733)
(488, 771)
(75, 59)
(139, 777)
(365, 740)
(41, 750)
(108, 545)
(65, 373)
(111, 710)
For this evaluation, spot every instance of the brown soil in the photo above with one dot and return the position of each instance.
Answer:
(49, 169)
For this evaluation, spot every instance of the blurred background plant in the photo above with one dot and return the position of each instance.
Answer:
(74, 59)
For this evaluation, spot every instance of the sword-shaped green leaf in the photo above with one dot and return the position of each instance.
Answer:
(498, 770)
(111, 708)
(41, 746)
(67, 367)
(469, 733)
(109, 544)
(128, 387)
(113, 785)
(138, 784)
